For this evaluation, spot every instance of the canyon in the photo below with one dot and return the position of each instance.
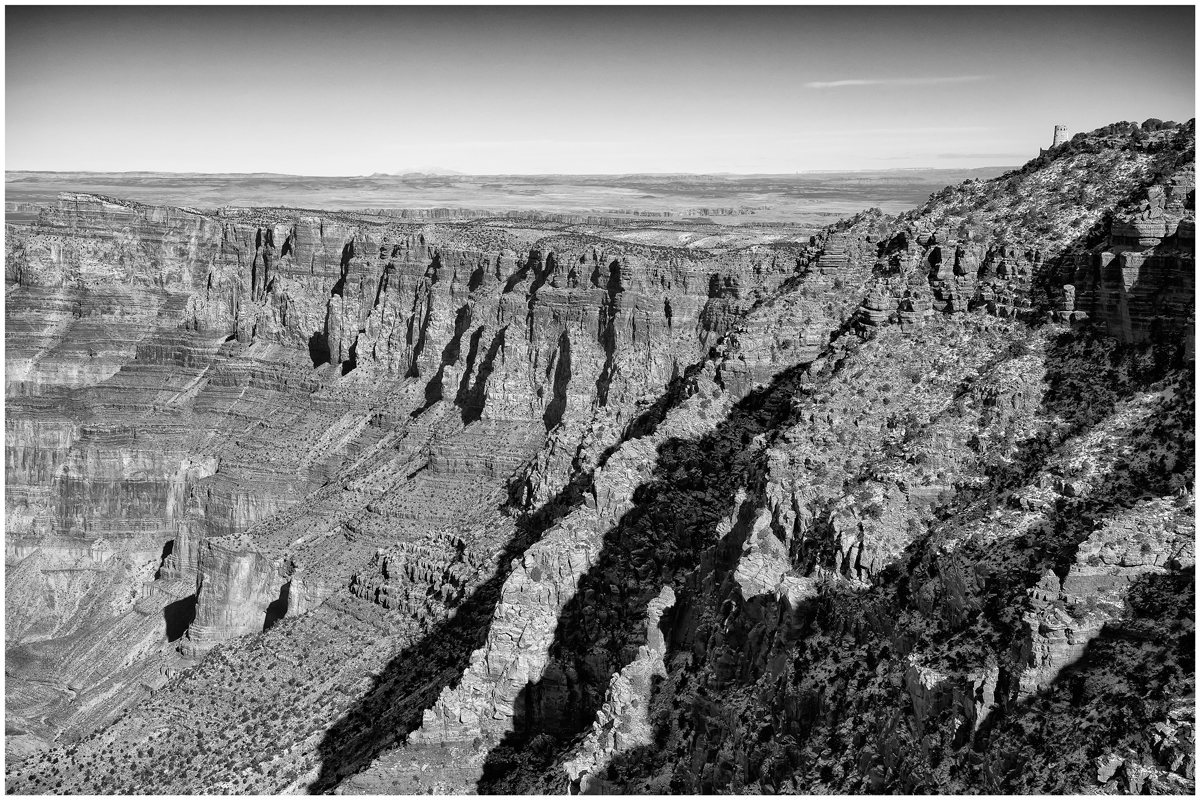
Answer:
(363, 502)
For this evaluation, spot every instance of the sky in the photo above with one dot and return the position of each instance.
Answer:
(584, 90)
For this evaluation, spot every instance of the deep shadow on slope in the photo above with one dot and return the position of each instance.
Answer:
(797, 728)
(178, 616)
(1131, 676)
(674, 527)
(413, 679)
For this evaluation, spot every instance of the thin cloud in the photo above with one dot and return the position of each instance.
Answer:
(894, 81)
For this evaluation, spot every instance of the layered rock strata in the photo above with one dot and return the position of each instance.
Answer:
(262, 399)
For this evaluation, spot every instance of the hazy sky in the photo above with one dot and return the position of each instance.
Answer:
(350, 91)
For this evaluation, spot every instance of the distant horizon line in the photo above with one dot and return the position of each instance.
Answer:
(380, 175)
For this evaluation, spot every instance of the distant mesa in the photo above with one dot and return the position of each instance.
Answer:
(425, 171)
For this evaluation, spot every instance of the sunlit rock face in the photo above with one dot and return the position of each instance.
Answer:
(389, 507)
(178, 381)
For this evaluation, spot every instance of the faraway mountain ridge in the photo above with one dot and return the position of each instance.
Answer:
(347, 503)
(427, 170)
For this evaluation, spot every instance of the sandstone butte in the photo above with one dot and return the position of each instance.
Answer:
(303, 501)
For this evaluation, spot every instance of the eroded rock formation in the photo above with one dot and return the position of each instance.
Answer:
(180, 381)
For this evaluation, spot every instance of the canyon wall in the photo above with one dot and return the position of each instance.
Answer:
(178, 381)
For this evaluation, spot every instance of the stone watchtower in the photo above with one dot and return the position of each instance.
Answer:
(1060, 135)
